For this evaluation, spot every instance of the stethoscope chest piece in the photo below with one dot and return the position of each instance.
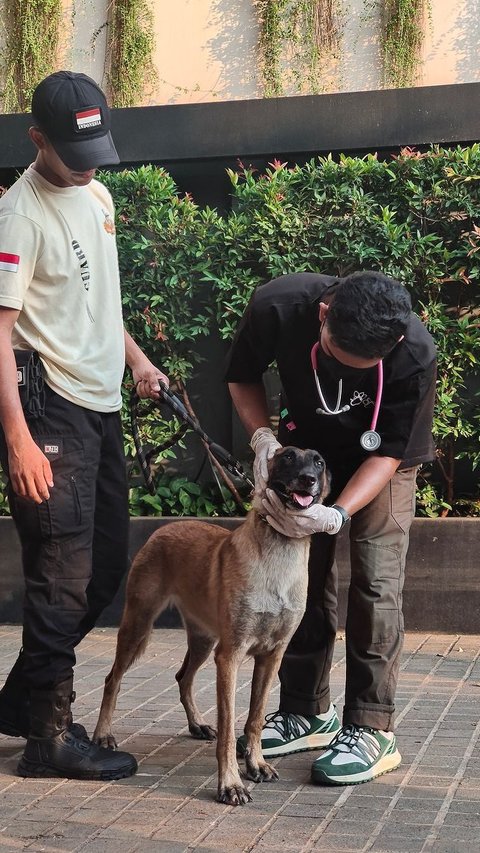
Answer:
(370, 440)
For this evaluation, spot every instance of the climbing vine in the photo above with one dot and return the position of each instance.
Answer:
(296, 38)
(32, 35)
(129, 50)
(270, 43)
(403, 34)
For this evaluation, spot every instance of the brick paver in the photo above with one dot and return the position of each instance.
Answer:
(431, 804)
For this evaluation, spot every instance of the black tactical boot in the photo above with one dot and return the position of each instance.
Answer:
(52, 749)
(15, 705)
(14, 702)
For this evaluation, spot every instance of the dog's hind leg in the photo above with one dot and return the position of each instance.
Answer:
(199, 647)
(132, 640)
(265, 670)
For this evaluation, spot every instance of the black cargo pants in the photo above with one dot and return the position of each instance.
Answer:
(75, 545)
(379, 535)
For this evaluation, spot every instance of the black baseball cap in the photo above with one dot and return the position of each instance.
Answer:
(73, 113)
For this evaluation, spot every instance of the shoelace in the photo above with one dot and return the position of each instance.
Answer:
(359, 740)
(289, 726)
(78, 731)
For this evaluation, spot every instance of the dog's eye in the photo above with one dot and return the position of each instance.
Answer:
(319, 464)
(289, 456)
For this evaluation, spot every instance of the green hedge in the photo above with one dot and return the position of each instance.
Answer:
(416, 217)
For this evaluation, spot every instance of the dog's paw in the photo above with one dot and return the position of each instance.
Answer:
(234, 795)
(260, 773)
(202, 732)
(107, 741)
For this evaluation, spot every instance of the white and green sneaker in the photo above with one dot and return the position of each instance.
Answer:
(285, 733)
(357, 754)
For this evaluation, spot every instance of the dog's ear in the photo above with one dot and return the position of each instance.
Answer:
(271, 462)
(327, 480)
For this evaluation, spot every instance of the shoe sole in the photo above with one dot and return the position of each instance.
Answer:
(385, 765)
(37, 771)
(304, 744)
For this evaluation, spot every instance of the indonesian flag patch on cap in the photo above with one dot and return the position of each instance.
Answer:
(9, 262)
(86, 119)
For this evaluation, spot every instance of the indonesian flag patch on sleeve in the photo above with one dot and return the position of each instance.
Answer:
(8, 262)
(86, 119)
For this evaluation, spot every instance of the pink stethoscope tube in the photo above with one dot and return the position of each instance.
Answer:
(378, 398)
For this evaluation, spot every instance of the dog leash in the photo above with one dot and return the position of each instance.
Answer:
(223, 457)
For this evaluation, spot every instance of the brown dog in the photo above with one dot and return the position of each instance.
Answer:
(243, 592)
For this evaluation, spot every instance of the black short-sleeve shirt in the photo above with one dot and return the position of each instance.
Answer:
(281, 324)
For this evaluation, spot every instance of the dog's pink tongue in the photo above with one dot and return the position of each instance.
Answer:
(303, 500)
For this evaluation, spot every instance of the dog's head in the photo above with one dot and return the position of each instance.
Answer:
(299, 477)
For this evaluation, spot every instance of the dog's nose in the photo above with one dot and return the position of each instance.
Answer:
(307, 480)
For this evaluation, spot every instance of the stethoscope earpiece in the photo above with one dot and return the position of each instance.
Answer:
(345, 408)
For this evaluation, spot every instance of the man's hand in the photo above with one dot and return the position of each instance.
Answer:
(146, 378)
(298, 523)
(30, 471)
(145, 375)
(264, 444)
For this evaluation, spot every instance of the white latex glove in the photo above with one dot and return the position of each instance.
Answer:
(264, 444)
(297, 523)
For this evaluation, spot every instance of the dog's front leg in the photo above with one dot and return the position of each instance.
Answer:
(265, 670)
(231, 789)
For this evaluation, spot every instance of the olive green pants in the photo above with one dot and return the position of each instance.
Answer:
(374, 628)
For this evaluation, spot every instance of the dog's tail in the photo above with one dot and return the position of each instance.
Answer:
(145, 599)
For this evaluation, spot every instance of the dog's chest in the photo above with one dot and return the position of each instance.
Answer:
(278, 581)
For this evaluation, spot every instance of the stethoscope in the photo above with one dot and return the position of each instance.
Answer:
(370, 439)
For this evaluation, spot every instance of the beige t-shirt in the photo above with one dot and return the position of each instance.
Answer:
(59, 268)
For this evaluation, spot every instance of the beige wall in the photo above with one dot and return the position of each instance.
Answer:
(452, 46)
(206, 50)
(84, 37)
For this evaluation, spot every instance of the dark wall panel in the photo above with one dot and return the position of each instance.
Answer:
(293, 126)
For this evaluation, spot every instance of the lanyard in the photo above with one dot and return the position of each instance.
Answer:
(369, 440)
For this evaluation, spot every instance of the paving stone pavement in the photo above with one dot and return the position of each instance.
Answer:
(430, 804)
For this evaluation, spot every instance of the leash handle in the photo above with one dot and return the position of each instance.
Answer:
(222, 456)
(141, 456)
(145, 459)
(177, 406)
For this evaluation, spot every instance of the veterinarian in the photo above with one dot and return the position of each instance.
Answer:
(358, 371)
(63, 451)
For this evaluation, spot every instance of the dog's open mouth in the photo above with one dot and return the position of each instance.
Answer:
(296, 498)
(301, 499)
